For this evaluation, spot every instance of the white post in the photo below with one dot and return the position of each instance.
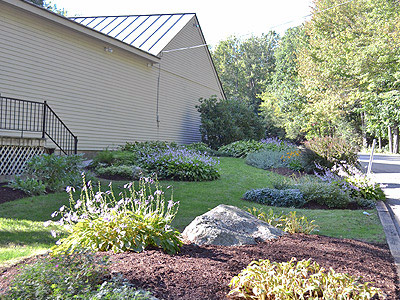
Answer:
(371, 157)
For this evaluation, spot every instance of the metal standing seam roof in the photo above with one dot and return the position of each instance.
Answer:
(150, 33)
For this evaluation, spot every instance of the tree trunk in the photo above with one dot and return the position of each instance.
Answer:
(380, 143)
(390, 137)
(396, 139)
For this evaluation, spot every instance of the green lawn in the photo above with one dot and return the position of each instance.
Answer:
(21, 222)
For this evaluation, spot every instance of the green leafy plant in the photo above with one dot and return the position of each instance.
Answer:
(108, 158)
(117, 289)
(317, 191)
(29, 186)
(325, 193)
(121, 172)
(241, 148)
(225, 121)
(97, 221)
(60, 277)
(290, 222)
(53, 171)
(78, 276)
(303, 279)
(270, 157)
(266, 159)
(364, 187)
(275, 197)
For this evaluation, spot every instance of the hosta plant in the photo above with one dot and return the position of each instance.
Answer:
(241, 148)
(290, 223)
(98, 221)
(182, 164)
(265, 280)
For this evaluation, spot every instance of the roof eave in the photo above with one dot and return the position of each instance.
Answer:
(49, 15)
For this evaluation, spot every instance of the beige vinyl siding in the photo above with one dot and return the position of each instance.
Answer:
(105, 98)
(186, 76)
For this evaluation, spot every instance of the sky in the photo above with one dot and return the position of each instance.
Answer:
(218, 19)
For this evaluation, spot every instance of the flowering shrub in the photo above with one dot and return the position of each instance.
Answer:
(269, 159)
(287, 222)
(149, 147)
(265, 280)
(241, 148)
(199, 147)
(266, 159)
(361, 187)
(70, 277)
(167, 160)
(97, 221)
(182, 164)
(332, 151)
(277, 144)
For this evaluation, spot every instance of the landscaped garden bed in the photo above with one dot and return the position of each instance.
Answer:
(130, 218)
(204, 272)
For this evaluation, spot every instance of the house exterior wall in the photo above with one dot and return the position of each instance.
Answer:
(186, 76)
(106, 99)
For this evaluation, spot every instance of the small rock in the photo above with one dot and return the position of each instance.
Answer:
(227, 225)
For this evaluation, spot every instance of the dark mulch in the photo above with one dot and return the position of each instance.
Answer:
(288, 172)
(204, 272)
(9, 194)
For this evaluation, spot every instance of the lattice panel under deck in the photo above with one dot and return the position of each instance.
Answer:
(13, 158)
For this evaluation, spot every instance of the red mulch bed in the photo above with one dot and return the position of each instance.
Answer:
(204, 272)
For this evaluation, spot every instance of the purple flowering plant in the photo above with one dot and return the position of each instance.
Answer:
(99, 221)
(351, 179)
(182, 164)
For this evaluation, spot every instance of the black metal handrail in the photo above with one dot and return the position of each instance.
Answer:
(32, 116)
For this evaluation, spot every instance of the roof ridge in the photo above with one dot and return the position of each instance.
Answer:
(139, 15)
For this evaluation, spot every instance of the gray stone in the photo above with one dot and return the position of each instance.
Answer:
(227, 225)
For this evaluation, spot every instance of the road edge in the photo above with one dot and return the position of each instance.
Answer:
(392, 236)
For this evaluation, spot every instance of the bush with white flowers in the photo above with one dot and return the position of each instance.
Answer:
(138, 219)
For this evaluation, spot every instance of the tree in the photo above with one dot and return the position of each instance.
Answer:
(37, 2)
(245, 67)
(351, 57)
(50, 6)
(227, 121)
(282, 103)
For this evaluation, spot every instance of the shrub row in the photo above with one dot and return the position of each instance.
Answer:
(167, 160)
(333, 194)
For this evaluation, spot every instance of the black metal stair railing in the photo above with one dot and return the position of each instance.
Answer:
(32, 116)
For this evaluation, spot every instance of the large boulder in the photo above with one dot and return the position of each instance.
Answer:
(227, 225)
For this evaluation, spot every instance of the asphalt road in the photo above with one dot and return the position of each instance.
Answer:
(385, 170)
